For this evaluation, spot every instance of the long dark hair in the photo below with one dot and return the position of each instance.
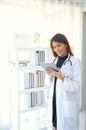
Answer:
(61, 39)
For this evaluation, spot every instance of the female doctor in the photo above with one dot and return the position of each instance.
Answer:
(64, 101)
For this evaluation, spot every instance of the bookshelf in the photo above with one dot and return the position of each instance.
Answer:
(27, 88)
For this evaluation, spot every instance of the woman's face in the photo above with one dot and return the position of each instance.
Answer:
(59, 48)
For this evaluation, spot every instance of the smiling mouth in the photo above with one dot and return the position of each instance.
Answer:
(59, 53)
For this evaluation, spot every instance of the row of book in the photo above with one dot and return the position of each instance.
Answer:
(37, 57)
(40, 57)
(33, 58)
(34, 99)
(34, 79)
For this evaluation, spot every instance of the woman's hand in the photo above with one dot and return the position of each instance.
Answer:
(53, 72)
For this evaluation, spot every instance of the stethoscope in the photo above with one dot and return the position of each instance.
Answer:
(68, 60)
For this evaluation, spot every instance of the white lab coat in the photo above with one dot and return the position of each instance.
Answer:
(67, 96)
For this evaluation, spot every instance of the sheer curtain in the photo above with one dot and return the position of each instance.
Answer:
(67, 19)
(45, 17)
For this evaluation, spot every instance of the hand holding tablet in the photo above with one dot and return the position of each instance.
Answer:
(51, 65)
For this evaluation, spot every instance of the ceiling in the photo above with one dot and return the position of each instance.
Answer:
(27, 3)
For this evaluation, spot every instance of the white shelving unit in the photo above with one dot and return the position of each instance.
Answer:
(28, 105)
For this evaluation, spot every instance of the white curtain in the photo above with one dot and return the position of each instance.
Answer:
(66, 19)
(45, 18)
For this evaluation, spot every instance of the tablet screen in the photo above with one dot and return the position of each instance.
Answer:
(51, 65)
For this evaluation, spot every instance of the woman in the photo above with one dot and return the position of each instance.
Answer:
(65, 89)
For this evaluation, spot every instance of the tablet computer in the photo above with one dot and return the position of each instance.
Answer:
(51, 65)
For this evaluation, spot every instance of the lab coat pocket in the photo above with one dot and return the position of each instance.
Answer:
(69, 108)
(67, 73)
